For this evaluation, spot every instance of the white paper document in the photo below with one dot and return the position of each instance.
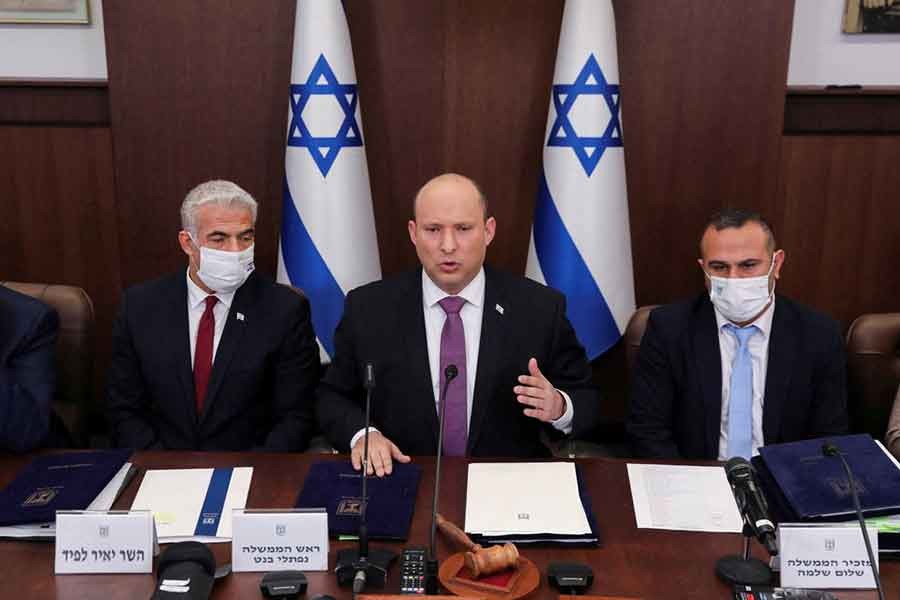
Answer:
(524, 498)
(685, 498)
(103, 501)
(193, 504)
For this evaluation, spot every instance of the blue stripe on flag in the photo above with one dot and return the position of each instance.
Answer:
(307, 270)
(211, 513)
(565, 270)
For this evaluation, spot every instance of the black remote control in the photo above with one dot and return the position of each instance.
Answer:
(412, 571)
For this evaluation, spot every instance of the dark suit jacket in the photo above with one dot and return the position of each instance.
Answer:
(28, 331)
(383, 322)
(676, 396)
(260, 392)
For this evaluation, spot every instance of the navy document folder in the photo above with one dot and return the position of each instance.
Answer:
(801, 484)
(335, 486)
(66, 481)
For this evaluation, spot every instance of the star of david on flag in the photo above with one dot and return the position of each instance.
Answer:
(322, 82)
(328, 245)
(589, 82)
(580, 240)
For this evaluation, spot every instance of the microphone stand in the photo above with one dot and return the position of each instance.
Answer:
(361, 566)
(431, 564)
(829, 449)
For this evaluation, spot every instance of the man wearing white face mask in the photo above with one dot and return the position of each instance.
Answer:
(738, 367)
(216, 357)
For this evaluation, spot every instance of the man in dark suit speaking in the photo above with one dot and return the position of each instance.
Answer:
(520, 367)
(737, 367)
(217, 357)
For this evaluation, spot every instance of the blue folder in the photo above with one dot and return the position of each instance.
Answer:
(65, 481)
(335, 486)
(802, 484)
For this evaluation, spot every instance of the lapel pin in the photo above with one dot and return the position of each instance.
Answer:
(499, 308)
(240, 316)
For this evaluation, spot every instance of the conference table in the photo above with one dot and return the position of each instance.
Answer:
(630, 562)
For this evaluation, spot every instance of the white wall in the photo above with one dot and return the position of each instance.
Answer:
(822, 55)
(55, 51)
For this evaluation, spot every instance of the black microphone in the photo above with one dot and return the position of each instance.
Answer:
(829, 450)
(751, 502)
(362, 566)
(431, 564)
(186, 571)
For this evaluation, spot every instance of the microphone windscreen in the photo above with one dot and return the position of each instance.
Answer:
(450, 372)
(186, 571)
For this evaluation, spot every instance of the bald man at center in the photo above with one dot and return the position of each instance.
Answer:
(500, 344)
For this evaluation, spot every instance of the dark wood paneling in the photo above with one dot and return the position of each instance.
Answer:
(198, 90)
(838, 218)
(58, 103)
(455, 86)
(59, 217)
(842, 111)
(702, 108)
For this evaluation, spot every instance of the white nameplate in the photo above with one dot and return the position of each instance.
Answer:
(279, 540)
(104, 542)
(825, 556)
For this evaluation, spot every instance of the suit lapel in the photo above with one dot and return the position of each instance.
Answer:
(489, 351)
(232, 336)
(708, 373)
(416, 346)
(181, 352)
(782, 353)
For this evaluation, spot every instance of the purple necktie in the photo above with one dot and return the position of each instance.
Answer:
(453, 352)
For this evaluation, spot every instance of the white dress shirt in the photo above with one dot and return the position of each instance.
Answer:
(470, 314)
(758, 346)
(196, 299)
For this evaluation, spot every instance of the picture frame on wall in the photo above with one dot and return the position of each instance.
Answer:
(56, 12)
(871, 16)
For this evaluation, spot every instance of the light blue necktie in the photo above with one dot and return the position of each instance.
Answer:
(740, 395)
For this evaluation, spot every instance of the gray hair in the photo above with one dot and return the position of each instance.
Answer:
(218, 192)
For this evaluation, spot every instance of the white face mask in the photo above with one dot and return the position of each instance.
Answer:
(740, 299)
(223, 272)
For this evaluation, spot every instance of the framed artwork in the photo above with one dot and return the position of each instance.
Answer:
(76, 12)
(871, 16)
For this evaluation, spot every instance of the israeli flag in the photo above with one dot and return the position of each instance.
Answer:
(580, 241)
(328, 244)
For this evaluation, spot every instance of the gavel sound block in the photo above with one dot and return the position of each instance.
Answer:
(461, 572)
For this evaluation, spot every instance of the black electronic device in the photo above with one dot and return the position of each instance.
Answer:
(412, 571)
(570, 578)
(286, 585)
(747, 592)
(185, 572)
(829, 449)
(363, 566)
(751, 503)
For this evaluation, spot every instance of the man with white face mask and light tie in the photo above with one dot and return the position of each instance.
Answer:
(738, 367)
(216, 357)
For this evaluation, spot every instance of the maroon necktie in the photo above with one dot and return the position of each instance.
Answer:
(203, 352)
(453, 352)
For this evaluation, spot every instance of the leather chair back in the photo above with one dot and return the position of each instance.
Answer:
(74, 351)
(873, 371)
(634, 333)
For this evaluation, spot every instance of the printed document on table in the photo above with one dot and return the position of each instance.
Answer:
(193, 504)
(524, 498)
(684, 498)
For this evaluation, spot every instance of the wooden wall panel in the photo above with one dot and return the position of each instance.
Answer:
(702, 106)
(198, 90)
(837, 215)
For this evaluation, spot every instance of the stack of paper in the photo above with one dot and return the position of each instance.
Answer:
(527, 502)
(193, 504)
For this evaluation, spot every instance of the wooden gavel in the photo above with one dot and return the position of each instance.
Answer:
(480, 561)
